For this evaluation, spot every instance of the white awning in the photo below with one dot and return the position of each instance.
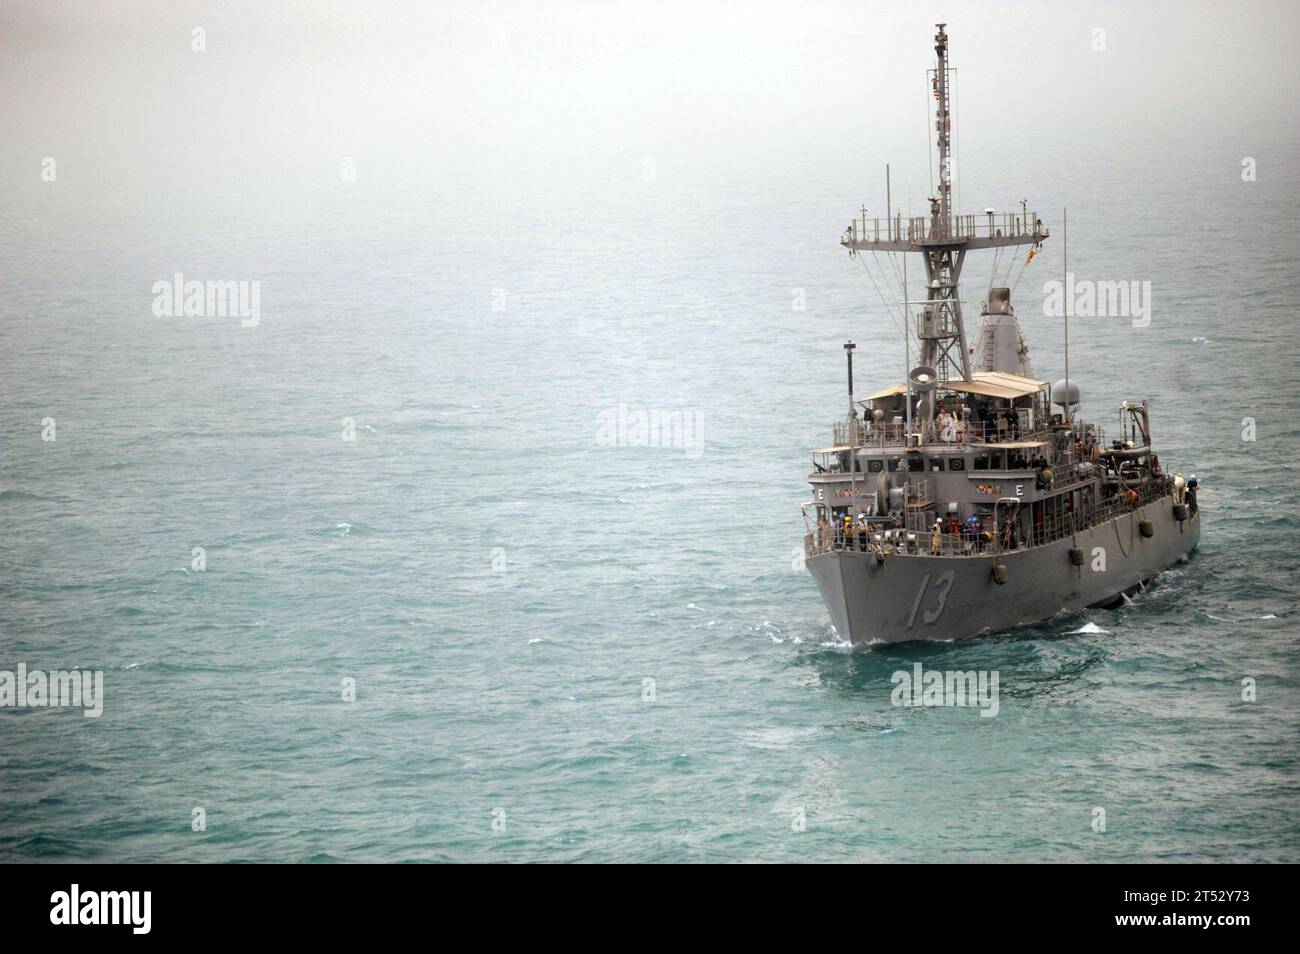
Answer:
(888, 392)
(998, 384)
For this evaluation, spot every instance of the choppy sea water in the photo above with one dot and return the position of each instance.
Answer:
(501, 582)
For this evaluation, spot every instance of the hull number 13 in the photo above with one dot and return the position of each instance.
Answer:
(941, 587)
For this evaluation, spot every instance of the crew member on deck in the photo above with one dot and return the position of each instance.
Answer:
(1045, 475)
(947, 426)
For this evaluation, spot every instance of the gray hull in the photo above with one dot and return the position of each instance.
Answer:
(942, 598)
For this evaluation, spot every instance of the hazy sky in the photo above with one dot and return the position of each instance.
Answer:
(449, 91)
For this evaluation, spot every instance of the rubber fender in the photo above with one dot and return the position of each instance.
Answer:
(1000, 574)
(1146, 528)
(1076, 556)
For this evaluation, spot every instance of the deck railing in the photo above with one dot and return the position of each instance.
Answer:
(933, 228)
(883, 538)
(891, 434)
(1056, 526)
(890, 541)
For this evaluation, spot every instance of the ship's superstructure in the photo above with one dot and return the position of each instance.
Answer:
(971, 497)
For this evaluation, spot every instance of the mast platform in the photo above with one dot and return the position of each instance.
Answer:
(973, 231)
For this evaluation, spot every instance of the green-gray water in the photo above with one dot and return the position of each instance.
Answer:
(501, 584)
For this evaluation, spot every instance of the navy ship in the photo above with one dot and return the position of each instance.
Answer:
(971, 497)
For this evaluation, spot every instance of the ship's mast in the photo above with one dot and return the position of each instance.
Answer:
(942, 121)
(943, 238)
(942, 332)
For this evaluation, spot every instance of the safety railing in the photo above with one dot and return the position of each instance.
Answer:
(897, 541)
(962, 538)
(933, 228)
(894, 434)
